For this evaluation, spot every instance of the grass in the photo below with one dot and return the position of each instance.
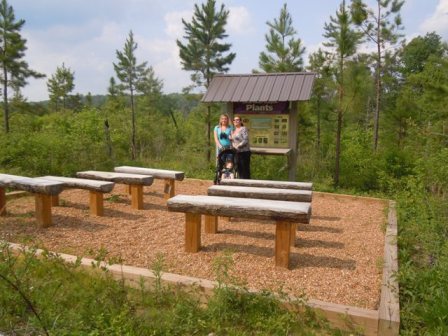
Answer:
(45, 296)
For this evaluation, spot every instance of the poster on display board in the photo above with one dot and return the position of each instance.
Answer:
(268, 123)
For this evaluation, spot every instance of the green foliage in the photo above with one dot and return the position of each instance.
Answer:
(284, 52)
(60, 85)
(47, 296)
(203, 53)
(15, 70)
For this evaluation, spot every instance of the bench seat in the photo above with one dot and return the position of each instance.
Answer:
(169, 176)
(135, 181)
(42, 189)
(96, 190)
(268, 184)
(292, 195)
(285, 214)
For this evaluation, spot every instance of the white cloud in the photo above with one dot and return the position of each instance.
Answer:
(240, 21)
(438, 22)
(173, 20)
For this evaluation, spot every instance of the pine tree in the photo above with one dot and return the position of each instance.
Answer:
(131, 76)
(284, 52)
(14, 70)
(377, 27)
(344, 40)
(204, 53)
(60, 85)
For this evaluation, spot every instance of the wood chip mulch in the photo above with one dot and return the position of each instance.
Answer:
(338, 257)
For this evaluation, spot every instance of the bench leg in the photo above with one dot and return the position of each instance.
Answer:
(129, 189)
(169, 189)
(2, 202)
(211, 224)
(282, 243)
(55, 200)
(192, 232)
(43, 210)
(136, 196)
(96, 203)
(293, 234)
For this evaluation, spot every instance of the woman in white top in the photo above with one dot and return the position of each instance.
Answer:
(240, 141)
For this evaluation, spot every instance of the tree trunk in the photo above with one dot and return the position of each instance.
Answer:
(208, 152)
(107, 138)
(378, 83)
(133, 145)
(5, 100)
(339, 126)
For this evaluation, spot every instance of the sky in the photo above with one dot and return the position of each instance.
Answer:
(84, 35)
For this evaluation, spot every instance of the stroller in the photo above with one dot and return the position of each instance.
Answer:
(226, 165)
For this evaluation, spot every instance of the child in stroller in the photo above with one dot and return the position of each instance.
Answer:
(226, 166)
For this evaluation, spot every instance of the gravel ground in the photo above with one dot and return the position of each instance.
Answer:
(337, 258)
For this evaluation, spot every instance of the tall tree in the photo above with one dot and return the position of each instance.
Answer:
(59, 85)
(379, 29)
(344, 40)
(320, 62)
(14, 69)
(131, 76)
(284, 51)
(204, 53)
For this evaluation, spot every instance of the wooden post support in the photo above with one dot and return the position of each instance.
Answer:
(2, 202)
(55, 200)
(282, 243)
(129, 189)
(169, 188)
(211, 224)
(293, 234)
(192, 232)
(136, 196)
(43, 210)
(96, 203)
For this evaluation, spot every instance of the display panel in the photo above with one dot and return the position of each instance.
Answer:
(267, 130)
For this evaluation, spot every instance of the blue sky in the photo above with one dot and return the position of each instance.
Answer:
(85, 34)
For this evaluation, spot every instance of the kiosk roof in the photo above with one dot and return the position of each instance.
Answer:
(262, 87)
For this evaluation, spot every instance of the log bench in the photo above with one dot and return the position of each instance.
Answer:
(292, 195)
(268, 184)
(135, 181)
(96, 190)
(43, 191)
(286, 215)
(169, 176)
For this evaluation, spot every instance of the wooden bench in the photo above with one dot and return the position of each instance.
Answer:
(292, 195)
(43, 191)
(169, 176)
(286, 216)
(268, 184)
(135, 181)
(96, 190)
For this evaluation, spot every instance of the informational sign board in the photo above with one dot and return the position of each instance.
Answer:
(268, 124)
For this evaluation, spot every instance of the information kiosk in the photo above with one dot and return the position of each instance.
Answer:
(267, 104)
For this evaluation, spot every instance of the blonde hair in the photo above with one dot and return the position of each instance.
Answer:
(224, 115)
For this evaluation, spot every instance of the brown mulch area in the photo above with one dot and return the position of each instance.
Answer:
(338, 256)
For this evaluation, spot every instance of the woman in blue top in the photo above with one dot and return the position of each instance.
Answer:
(222, 134)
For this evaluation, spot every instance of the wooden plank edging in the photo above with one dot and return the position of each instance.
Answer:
(389, 309)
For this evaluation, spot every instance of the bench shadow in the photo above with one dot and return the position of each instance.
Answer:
(303, 260)
(107, 211)
(297, 260)
(318, 228)
(251, 234)
(153, 194)
(327, 218)
(150, 206)
(305, 243)
(60, 221)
